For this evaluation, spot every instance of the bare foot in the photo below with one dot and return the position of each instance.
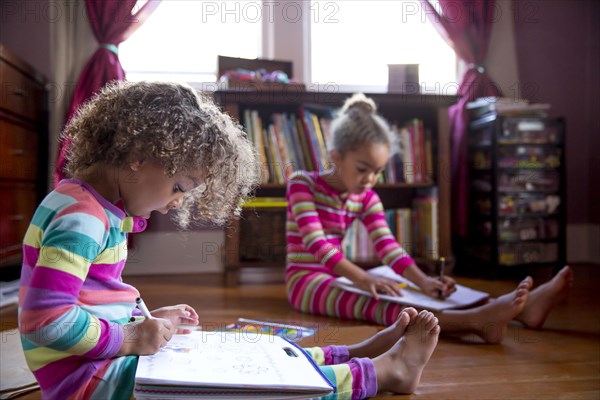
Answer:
(545, 297)
(399, 369)
(383, 340)
(490, 320)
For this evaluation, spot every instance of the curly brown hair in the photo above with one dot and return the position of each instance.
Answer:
(179, 128)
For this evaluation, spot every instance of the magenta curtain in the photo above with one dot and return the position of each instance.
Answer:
(112, 22)
(466, 26)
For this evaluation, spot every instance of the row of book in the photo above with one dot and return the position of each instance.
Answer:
(416, 229)
(414, 162)
(287, 142)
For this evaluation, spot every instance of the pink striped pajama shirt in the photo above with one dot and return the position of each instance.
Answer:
(318, 216)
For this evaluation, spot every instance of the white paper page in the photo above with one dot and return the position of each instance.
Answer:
(223, 359)
(412, 296)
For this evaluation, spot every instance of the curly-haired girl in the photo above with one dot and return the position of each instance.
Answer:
(148, 147)
(155, 147)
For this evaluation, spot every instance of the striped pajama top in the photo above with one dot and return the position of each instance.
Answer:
(72, 300)
(318, 217)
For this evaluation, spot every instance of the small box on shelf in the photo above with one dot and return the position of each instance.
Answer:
(256, 74)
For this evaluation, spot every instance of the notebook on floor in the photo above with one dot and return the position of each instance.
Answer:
(413, 296)
(229, 364)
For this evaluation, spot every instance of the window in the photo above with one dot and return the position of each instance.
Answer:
(352, 42)
(345, 43)
(182, 39)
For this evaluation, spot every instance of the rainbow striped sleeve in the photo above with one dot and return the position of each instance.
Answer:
(68, 232)
(387, 247)
(301, 205)
(72, 300)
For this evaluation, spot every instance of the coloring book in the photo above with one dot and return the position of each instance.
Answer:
(229, 365)
(413, 296)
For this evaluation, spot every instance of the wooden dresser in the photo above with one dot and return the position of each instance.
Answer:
(23, 151)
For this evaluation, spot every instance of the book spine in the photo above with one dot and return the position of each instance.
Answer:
(293, 145)
(428, 157)
(321, 142)
(311, 139)
(409, 167)
(281, 146)
(421, 148)
(260, 145)
(276, 156)
(306, 151)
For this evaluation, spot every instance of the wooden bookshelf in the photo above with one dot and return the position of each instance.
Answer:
(396, 108)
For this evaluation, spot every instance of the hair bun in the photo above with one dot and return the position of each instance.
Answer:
(359, 102)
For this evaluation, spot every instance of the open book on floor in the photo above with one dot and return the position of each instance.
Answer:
(413, 296)
(229, 365)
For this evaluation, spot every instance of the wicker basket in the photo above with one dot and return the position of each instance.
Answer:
(261, 235)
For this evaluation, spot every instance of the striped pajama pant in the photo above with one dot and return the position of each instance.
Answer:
(313, 292)
(353, 378)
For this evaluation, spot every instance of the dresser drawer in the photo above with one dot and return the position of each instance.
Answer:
(17, 205)
(18, 151)
(20, 94)
(23, 151)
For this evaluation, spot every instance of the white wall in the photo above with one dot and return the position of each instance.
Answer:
(175, 252)
(165, 249)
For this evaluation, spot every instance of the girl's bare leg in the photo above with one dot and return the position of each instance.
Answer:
(383, 340)
(545, 297)
(399, 369)
(490, 320)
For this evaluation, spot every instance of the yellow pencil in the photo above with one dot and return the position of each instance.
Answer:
(442, 268)
(404, 285)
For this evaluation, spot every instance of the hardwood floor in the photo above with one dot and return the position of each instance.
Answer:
(560, 361)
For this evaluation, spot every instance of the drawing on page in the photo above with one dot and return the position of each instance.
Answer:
(250, 369)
